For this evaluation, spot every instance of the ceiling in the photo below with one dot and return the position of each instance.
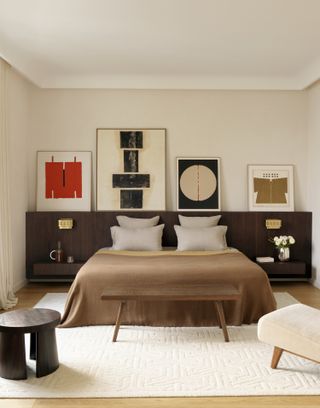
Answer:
(163, 44)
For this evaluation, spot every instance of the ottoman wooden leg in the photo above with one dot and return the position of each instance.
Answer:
(46, 352)
(12, 356)
(277, 352)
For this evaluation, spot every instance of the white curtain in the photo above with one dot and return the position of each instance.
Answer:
(7, 297)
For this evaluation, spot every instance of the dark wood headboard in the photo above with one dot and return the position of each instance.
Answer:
(246, 231)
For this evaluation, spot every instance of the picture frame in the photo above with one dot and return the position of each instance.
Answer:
(64, 180)
(270, 187)
(131, 169)
(198, 184)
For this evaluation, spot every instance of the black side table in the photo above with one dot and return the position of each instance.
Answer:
(41, 324)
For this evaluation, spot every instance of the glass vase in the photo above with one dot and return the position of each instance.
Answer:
(284, 254)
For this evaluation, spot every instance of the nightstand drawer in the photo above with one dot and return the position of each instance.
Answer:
(56, 269)
(284, 268)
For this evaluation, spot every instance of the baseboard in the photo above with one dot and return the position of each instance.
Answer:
(19, 285)
(316, 284)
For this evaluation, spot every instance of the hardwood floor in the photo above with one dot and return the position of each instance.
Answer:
(32, 293)
(217, 402)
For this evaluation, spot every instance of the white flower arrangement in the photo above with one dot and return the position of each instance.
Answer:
(283, 241)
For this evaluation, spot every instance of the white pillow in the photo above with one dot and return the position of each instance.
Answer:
(198, 222)
(137, 239)
(130, 222)
(201, 239)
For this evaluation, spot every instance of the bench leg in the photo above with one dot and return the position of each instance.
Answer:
(12, 356)
(117, 327)
(277, 352)
(46, 352)
(217, 314)
(222, 320)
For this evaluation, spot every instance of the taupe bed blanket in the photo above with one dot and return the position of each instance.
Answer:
(165, 268)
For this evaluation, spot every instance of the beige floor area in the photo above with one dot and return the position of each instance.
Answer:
(32, 293)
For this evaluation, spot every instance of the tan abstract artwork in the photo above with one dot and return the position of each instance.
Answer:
(270, 188)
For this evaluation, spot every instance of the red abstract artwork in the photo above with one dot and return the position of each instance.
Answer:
(63, 179)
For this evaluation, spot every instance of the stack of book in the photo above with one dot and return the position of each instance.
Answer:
(264, 259)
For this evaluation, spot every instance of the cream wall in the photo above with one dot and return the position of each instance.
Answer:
(313, 174)
(241, 127)
(19, 95)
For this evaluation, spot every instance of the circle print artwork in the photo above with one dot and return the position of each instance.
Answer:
(198, 183)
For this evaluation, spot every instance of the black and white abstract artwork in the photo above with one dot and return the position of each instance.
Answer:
(130, 169)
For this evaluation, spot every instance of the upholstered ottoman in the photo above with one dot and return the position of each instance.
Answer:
(295, 329)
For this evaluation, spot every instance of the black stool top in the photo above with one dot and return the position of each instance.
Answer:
(29, 320)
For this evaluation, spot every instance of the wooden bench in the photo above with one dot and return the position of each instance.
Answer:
(217, 293)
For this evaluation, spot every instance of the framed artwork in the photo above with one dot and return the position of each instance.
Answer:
(198, 184)
(270, 188)
(63, 181)
(131, 169)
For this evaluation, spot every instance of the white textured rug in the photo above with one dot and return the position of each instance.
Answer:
(157, 361)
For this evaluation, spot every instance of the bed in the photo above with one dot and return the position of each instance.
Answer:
(107, 268)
